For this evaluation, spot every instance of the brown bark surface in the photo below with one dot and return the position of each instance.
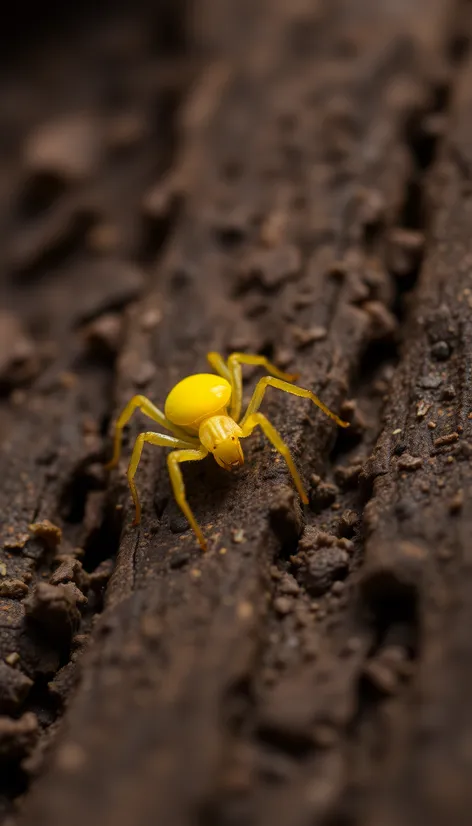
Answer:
(284, 178)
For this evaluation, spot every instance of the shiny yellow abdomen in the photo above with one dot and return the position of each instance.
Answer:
(196, 398)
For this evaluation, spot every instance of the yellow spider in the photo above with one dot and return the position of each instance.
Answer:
(196, 412)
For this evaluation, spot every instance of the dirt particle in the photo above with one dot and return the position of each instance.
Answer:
(313, 538)
(348, 477)
(238, 535)
(422, 408)
(322, 495)
(55, 608)
(15, 542)
(351, 412)
(64, 681)
(13, 658)
(448, 439)
(347, 524)
(70, 570)
(430, 382)
(346, 544)
(319, 570)
(13, 588)
(288, 586)
(448, 393)
(45, 530)
(408, 462)
(14, 687)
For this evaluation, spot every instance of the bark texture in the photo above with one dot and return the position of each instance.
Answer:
(285, 178)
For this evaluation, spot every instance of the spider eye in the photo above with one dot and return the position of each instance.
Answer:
(233, 439)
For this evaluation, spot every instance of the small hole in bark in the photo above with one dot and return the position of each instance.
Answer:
(103, 543)
(391, 602)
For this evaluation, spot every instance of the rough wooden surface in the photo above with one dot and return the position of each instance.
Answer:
(291, 180)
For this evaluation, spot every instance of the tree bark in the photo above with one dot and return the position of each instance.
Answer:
(309, 200)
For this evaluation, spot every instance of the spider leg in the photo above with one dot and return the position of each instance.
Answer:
(268, 381)
(173, 461)
(235, 360)
(149, 409)
(259, 420)
(161, 439)
(219, 365)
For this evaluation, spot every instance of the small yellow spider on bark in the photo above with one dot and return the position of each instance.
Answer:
(196, 413)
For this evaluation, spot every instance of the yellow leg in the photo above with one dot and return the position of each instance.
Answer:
(161, 439)
(219, 365)
(149, 409)
(268, 381)
(259, 420)
(235, 360)
(173, 461)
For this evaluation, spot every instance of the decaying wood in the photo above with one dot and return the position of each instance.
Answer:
(310, 667)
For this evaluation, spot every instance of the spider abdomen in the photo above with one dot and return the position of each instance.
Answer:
(196, 398)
